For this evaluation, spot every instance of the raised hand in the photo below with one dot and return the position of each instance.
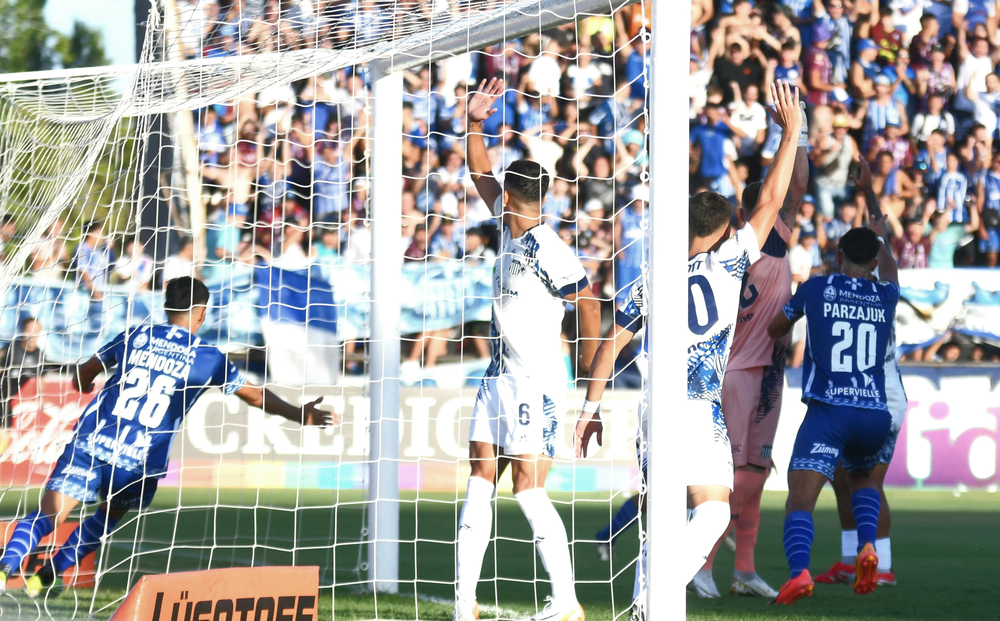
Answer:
(480, 106)
(786, 113)
(586, 427)
(312, 415)
(864, 179)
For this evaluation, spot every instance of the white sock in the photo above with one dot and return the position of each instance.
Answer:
(709, 521)
(884, 551)
(474, 529)
(551, 542)
(848, 546)
(639, 586)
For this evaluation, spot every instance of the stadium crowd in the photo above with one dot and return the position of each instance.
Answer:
(910, 85)
(285, 172)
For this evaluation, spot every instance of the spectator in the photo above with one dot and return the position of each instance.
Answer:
(819, 68)
(833, 157)
(913, 249)
(946, 236)
(418, 247)
(864, 70)
(988, 201)
(748, 121)
(738, 67)
(935, 118)
(134, 267)
(715, 152)
(803, 257)
(8, 229)
(93, 260)
(180, 264)
(23, 360)
(49, 256)
(849, 217)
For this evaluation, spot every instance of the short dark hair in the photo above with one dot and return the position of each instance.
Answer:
(707, 213)
(860, 246)
(527, 179)
(184, 293)
(751, 194)
(92, 226)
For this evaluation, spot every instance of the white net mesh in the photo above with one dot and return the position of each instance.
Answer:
(239, 150)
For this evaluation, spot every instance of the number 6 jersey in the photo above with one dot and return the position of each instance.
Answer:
(715, 281)
(849, 327)
(162, 370)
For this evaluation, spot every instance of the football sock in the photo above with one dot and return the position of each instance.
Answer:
(865, 504)
(27, 534)
(621, 521)
(884, 555)
(84, 540)
(709, 521)
(748, 518)
(640, 574)
(848, 546)
(474, 529)
(798, 541)
(551, 542)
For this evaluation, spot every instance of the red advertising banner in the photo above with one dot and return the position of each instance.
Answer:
(42, 417)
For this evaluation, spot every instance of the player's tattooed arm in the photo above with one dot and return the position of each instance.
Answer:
(796, 189)
(308, 414)
(864, 183)
(888, 270)
(601, 369)
(480, 108)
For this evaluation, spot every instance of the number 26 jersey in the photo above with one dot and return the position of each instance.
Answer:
(849, 327)
(715, 281)
(162, 370)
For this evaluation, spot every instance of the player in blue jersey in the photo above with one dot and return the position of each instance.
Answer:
(121, 442)
(849, 323)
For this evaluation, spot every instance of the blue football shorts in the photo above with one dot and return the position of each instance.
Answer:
(89, 480)
(831, 434)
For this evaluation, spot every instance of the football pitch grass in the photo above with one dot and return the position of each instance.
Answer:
(945, 548)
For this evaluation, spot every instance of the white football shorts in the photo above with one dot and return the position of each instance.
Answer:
(708, 457)
(517, 415)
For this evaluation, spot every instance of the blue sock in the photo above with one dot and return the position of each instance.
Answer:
(798, 540)
(622, 520)
(27, 534)
(84, 540)
(866, 503)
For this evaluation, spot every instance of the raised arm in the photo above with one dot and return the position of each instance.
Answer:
(270, 403)
(887, 268)
(480, 108)
(772, 193)
(864, 183)
(796, 188)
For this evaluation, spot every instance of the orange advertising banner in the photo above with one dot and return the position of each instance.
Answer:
(78, 576)
(272, 593)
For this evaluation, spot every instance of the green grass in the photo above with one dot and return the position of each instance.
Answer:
(945, 549)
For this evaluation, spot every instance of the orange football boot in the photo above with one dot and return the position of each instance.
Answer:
(795, 589)
(866, 570)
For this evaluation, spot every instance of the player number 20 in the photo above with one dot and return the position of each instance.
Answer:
(867, 344)
(136, 385)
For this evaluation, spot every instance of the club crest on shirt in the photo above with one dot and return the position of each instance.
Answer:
(830, 293)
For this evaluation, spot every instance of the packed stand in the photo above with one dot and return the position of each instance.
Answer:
(909, 85)
(285, 172)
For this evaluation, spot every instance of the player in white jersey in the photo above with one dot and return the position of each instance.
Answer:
(716, 265)
(843, 570)
(515, 416)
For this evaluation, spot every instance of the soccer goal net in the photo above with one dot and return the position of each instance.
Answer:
(349, 256)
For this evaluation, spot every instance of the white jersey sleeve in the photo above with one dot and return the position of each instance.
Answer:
(739, 252)
(561, 268)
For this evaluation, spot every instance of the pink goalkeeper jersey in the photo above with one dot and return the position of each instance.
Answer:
(767, 287)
